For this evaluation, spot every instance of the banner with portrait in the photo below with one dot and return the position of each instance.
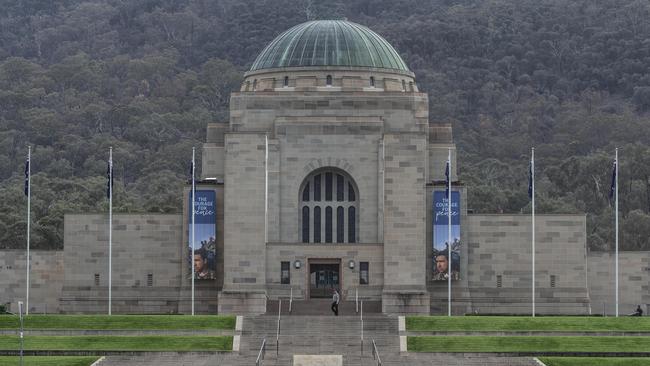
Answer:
(205, 235)
(441, 257)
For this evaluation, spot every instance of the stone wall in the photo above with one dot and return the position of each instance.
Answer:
(143, 245)
(46, 279)
(342, 79)
(634, 282)
(500, 245)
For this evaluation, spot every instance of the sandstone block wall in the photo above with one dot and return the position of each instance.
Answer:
(634, 282)
(143, 245)
(500, 245)
(46, 279)
(245, 211)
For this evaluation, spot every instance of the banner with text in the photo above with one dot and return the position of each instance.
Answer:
(205, 235)
(441, 260)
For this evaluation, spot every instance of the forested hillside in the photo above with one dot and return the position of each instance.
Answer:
(570, 77)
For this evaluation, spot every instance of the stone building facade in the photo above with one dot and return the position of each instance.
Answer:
(324, 177)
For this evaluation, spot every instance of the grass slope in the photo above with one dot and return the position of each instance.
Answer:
(516, 323)
(119, 343)
(120, 322)
(48, 361)
(528, 344)
(595, 361)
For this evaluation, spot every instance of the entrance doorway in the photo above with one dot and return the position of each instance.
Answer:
(323, 278)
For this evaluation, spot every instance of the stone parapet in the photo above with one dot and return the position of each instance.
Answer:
(242, 302)
(406, 302)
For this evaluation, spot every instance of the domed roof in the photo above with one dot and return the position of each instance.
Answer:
(329, 43)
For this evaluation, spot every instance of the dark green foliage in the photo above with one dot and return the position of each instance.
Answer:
(570, 77)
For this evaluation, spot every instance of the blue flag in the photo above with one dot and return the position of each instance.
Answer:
(530, 180)
(109, 177)
(27, 177)
(612, 188)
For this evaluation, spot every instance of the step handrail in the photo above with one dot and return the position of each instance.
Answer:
(375, 353)
(361, 318)
(290, 299)
(261, 354)
(356, 299)
(277, 335)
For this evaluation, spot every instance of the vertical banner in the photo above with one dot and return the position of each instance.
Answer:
(205, 235)
(441, 260)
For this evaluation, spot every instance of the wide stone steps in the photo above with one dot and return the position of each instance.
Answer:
(317, 335)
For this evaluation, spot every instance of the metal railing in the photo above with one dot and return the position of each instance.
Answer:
(356, 299)
(361, 318)
(290, 300)
(261, 354)
(375, 353)
(277, 335)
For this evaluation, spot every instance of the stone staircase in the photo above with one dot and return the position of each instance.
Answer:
(318, 335)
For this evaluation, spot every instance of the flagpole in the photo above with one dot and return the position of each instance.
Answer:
(29, 209)
(616, 225)
(192, 208)
(449, 235)
(110, 229)
(532, 175)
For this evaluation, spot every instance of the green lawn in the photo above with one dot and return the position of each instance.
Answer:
(527, 344)
(120, 322)
(48, 361)
(119, 343)
(522, 323)
(595, 361)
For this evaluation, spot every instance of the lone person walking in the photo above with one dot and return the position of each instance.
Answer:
(335, 302)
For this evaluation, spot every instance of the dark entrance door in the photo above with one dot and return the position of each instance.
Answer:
(323, 278)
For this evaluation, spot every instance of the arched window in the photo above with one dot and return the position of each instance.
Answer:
(372, 81)
(403, 86)
(411, 89)
(286, 81)
(329, 80)
(248, 85)
(331, 198)
(254, 84)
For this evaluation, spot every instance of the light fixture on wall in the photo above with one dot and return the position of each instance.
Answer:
(351, 264)
(297, 264)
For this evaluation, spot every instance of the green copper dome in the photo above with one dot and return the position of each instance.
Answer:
(329, 43)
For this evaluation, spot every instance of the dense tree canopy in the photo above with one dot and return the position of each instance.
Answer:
(570, 77)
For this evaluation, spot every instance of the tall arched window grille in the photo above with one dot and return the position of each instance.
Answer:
(329, 208)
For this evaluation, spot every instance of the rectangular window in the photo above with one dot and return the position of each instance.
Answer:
(364, 276)
(340, 228)
(328, 186)
(339, 188)
(499, 281)
(150, 280)
(316, 224)
(317, 187)
(552, 281)
(285, 273)
(328, 224)
(305, 224)
(96, 279)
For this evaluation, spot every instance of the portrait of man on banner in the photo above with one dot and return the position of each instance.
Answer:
(441, 257)
(205, 235)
